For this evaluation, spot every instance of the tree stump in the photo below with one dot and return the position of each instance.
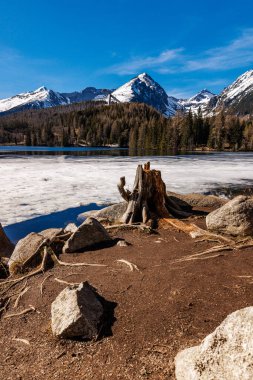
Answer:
(149, 199)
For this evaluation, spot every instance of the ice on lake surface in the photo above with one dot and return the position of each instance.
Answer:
(37, 185)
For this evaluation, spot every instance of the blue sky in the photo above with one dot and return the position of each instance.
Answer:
(67, 45)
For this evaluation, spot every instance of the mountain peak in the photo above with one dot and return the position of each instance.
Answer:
(41, 89)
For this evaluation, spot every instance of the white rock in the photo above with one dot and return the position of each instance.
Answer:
(123, 243)
(226, 354)
(234, 218)
(76, 312)
(71, 227)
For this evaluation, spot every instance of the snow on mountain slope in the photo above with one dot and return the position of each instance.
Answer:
(40, 98)
(89, 93)
(143, 89)
(201, 99)
(240, 88)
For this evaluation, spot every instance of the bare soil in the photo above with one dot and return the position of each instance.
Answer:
(161, 309)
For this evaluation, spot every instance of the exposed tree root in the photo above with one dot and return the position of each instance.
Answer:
(42, 283)
(20, 296)
(141, 227)
(33, 273)
(194, 231)
(28, 310)
(63, 263)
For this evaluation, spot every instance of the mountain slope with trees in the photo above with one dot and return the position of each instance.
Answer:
(137, 126)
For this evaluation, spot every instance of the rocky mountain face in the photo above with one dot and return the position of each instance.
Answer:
(40, 98)
(89, 93)
(238, 97)
(143, 89)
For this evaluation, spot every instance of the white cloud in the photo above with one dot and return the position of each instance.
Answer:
(236, 53)
(137, 64)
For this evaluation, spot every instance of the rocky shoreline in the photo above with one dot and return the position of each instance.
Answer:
(98, 284)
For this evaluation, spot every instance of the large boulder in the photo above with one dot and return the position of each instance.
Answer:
(226, 354)
(90, 233)
(77, 312)
(234, 218)
(200, 200)
(111, 213)
(6, 247)
(26, 249)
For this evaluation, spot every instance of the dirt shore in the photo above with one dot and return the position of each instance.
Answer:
(162, 308)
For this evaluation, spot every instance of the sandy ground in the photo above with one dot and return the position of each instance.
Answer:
(161, 309)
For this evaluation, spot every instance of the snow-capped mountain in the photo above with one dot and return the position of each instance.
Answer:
(143, 89)
(40, 98)
(89, 93)
(200, 100)
(238, 97)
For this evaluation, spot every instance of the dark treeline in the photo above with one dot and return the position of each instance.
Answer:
(132, 125)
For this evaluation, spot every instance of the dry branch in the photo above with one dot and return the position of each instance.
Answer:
(28, 310)
(65, 282)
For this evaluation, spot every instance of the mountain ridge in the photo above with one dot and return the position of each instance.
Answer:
(236, 98)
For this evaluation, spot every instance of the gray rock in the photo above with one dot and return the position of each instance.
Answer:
(91, 232)
(200, 200)
(226, 354)
(25, 249)
(234, 218)
(6, 247)
(76, 312)
(51, 233)
(111, 213)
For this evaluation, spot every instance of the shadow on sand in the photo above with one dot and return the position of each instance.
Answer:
(57, 219)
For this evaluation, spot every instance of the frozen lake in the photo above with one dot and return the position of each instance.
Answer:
(35, 185)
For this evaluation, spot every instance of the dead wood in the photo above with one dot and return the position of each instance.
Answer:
(148, 198)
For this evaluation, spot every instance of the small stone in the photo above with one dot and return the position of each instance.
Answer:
(77, 312)
(71, 227)
(123, 243)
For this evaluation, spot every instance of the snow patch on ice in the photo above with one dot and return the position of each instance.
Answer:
(32, 186)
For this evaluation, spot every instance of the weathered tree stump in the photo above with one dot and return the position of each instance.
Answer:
(149, 199)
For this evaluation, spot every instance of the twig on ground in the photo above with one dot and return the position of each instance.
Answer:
(25, 341)
(65, 282)
(129, 264)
